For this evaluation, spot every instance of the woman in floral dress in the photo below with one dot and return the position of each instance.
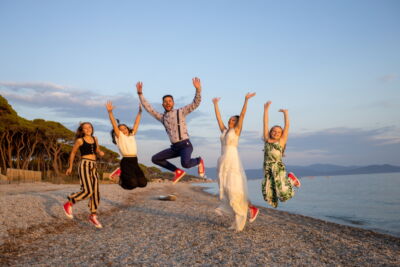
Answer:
(277, 185)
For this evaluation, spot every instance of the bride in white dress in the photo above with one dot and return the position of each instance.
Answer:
(232, 179)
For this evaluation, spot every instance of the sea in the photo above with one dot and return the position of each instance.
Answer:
(368, 201)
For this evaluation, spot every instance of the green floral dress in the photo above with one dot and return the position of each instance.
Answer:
(276, 185)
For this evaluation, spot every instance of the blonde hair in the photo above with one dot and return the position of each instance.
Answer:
(269, 135)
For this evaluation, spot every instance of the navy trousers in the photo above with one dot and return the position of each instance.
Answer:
(182, 149)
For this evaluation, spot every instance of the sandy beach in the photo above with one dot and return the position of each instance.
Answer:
(141, 230)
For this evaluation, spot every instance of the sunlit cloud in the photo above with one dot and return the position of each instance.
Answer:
(249, 138)
(388, 78)
(39, 86)
(308, 157)
(340, 145)
(346, 146)
(71, 102)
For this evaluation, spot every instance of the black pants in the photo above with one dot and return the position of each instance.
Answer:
(131, 175)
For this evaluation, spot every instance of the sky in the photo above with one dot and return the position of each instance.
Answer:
(335, 65)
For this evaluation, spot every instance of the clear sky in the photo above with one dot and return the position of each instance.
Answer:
(335, 65)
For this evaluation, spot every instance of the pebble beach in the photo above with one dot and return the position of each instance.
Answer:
(140, 230)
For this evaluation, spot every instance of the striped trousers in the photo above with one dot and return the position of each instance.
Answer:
(89, 179)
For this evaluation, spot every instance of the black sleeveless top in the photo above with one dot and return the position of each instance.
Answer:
(88, 149)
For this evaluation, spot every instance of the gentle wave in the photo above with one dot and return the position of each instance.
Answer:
(369, 201)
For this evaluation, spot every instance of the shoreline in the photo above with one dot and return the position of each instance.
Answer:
(141, 230)
(332, 219)
(282, 212)
(203, 188)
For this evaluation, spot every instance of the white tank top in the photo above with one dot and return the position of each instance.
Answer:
(126, 145)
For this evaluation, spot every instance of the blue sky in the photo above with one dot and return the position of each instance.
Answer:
(335, 65)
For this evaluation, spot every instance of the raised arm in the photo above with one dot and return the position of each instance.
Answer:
(285, 131)
(217, 114)
(146, 105)
(110, 107)
(197, 98)
(238, 128)
(266, 129)
(137, 120)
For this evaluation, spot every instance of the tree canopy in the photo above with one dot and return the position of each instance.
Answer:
(38, 144)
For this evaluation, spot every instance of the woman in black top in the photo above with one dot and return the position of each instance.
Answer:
(87, 171)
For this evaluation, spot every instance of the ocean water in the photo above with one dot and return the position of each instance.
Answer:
(369, 201)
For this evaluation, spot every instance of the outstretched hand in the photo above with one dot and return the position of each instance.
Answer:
(215, 100)
(139, 87)
(196, 83)
(250, 95)
(109, 106)
(283, 110)
(266, 105)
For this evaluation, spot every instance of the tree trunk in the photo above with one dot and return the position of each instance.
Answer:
(31, 149)
(56, 148)
(52, 152)
(19, 146)
(3, 153)
(9, 138)
(47, 149)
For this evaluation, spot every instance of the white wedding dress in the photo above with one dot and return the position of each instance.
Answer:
(232, 180)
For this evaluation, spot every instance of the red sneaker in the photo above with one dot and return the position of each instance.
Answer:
(295, 181)
(115, 173)
(94, 221)
(68, 210)
(201, 168)
(178, 175)
(253, 213)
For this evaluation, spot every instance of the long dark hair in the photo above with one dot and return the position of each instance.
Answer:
(237, 119)
(79, 132)
(112, 132)
(269, 135)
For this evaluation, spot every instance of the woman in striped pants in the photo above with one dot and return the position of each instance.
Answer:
(87, 171)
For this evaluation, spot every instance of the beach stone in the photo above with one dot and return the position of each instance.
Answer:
(170, 197)
(139, 229)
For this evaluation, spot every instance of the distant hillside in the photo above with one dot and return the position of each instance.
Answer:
(314, 170)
